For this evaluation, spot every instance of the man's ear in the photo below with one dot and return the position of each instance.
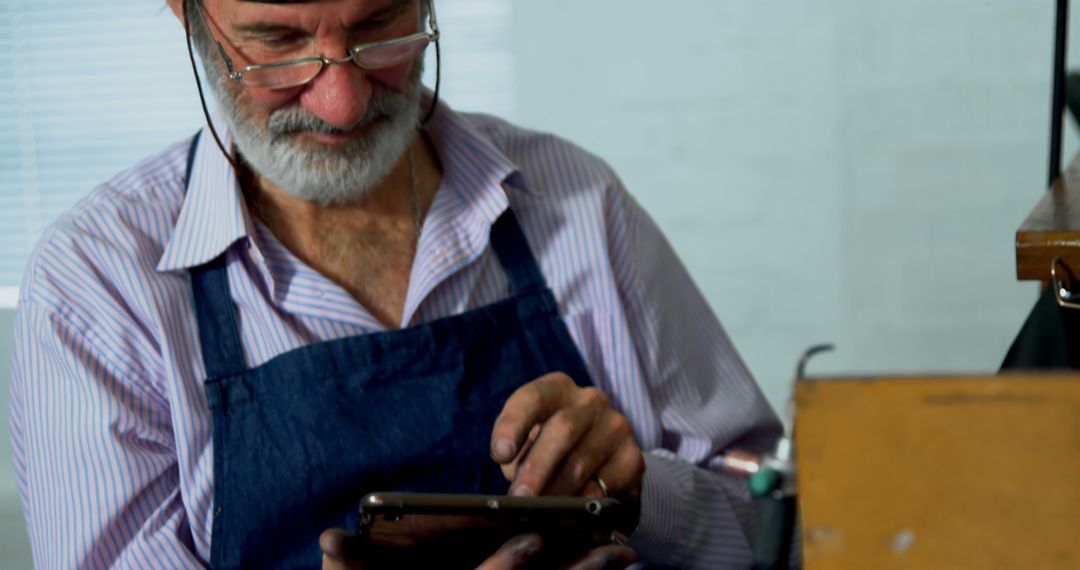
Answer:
(177, 7)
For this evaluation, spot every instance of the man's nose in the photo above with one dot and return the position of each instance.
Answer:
(339, 95)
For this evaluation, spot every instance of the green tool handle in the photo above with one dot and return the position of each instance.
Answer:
(772, 549)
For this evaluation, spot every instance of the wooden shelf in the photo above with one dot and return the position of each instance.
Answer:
(1052, 230)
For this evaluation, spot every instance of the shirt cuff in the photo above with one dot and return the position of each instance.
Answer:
(656, 538)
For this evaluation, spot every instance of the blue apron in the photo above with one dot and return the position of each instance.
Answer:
(300, 439)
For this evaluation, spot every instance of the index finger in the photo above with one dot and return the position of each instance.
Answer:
(527, 406)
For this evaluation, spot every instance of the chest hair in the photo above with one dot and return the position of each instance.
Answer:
(373, 262)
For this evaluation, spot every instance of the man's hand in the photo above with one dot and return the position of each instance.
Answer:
(343, 551)
(556, 438)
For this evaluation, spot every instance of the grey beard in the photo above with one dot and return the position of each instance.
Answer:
(322, 174)
(329, 174)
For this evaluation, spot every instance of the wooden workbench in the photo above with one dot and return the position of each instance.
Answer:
(939, 472)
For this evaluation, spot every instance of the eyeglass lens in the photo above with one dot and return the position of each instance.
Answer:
(376, 57)
(282, 76)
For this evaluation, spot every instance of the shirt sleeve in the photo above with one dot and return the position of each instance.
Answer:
(93, 450)
(693, 515)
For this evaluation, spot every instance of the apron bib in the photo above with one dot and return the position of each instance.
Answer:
(300, 439)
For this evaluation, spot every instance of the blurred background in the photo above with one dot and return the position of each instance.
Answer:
(835, 170)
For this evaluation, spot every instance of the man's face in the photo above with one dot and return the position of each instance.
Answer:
(333, 139)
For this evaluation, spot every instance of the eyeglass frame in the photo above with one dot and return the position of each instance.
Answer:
(323, 61)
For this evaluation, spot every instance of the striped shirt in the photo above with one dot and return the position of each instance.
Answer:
(112, 435)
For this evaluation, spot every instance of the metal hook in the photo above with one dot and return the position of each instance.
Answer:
(800, 371)
(800, 375)
(1062, 295)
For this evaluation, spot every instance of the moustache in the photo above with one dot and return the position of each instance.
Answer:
(295, 119)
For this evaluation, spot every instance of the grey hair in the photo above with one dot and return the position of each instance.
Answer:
(200, 35)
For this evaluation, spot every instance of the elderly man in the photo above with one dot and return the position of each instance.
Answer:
(344, 286)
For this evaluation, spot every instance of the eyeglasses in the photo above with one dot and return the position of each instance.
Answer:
(300, 71)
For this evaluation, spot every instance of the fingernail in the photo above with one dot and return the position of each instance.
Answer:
(503, 450)
(521, 491)
(525, 547)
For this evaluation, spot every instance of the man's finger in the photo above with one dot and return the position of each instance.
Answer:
(515, 553)
(510, 469)
(558, 436)
(623, 472)
(595, 449)
(605, 558)
(340, 550)
(526, 407)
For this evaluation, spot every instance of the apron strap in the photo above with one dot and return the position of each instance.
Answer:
(514, 254)
(219, 335)
(191, 158)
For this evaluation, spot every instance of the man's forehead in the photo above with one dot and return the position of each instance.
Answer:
(278, 1)
(376, 4)
(304, 1)
(364, 5)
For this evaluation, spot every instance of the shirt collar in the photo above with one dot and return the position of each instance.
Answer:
(214, 214)
(473, 166)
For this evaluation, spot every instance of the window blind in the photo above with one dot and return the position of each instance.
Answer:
(89, 88)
